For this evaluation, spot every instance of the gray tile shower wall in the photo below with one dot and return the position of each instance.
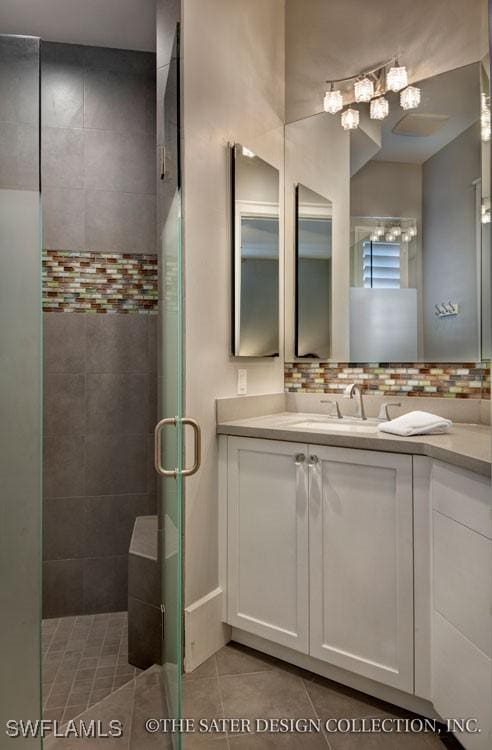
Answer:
(100, 392)
(98, 146)
(98, 186)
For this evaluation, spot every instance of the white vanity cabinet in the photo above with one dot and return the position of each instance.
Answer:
(361, 563)
(319, 553)
(461, 618)
(267, 540)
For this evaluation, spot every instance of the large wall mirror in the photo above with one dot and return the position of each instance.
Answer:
(313, 273)
(408, 182)
(255, 255)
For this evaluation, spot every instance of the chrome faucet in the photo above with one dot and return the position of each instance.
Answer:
(354, 390)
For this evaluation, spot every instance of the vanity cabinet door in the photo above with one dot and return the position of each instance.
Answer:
(267, 540)
(361, 563)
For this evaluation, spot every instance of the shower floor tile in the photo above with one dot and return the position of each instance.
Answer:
(85, 658)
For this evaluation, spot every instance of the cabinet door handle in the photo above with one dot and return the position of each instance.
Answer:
(299, 459)
(313, 460)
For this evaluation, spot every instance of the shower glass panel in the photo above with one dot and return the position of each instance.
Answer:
(20, 385)
(171, 392)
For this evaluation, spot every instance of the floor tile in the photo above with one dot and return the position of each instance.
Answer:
(235, 659)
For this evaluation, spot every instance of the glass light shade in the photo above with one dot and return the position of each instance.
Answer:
(374, 237)
(389, 237)
(396, 231)
(380, 231)
(350, 119)
(333, 102)
(396, 78)
(410, 97)
(363, 90)
(405, 237)
(379, 108)
(412, 231)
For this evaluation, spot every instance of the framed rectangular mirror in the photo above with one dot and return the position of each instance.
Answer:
(255, 255)
(313, 248)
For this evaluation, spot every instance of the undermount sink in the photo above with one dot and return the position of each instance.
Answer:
(342, 425)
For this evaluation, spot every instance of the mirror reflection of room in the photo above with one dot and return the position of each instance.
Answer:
(255, 251)
(399, 137)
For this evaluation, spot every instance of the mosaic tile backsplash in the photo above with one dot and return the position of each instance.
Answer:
(463, 380)
(99, 282)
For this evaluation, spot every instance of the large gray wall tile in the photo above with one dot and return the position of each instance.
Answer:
(62, 163)
(19, 80)
(64, 528)
(117, 404)
(119, 161)
(62, 587)
(119, 101)
(117, 344)
(64, 342)
(120, 222)
(109, 523)
(19, 161)
(64, 404)
(62, 96)
(115, 464)
(63, 466)
(64, 219)
(120, 60)
(105, 584)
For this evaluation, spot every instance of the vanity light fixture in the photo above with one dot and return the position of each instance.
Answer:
(374, 237)
(363, 90)
(380, 231)
(397, 77)
(405, 237)
(370, 86)
(333, 101)
(350, 119)
(410, 97)
(412, 231)
(396, 231)
(379, 108)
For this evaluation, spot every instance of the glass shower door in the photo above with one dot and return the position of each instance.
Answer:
(169, 459)
(20, 387)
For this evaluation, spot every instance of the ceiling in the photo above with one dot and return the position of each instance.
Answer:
(330, 39)
(125, 24)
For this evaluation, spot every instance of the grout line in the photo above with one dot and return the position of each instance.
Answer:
(315, 712)
(221, 697)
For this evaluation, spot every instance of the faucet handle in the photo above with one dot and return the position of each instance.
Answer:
(384, 410)
(335, 404)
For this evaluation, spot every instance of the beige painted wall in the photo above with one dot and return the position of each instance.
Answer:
(233, 90)
(317, 155)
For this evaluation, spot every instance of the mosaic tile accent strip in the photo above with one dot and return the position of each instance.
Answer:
(464, 380)
(99, 282)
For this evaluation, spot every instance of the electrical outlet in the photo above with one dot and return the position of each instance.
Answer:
(242, 382)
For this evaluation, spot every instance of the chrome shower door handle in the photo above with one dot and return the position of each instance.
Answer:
(198, 446)
(158, 447)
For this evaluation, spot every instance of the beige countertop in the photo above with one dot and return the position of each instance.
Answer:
(467, 446)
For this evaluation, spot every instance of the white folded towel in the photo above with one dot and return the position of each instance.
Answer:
(416, 423)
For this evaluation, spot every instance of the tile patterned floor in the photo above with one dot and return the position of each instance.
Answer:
(239, 682)
(85, 659)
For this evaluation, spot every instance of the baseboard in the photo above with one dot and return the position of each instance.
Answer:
(205, 633)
